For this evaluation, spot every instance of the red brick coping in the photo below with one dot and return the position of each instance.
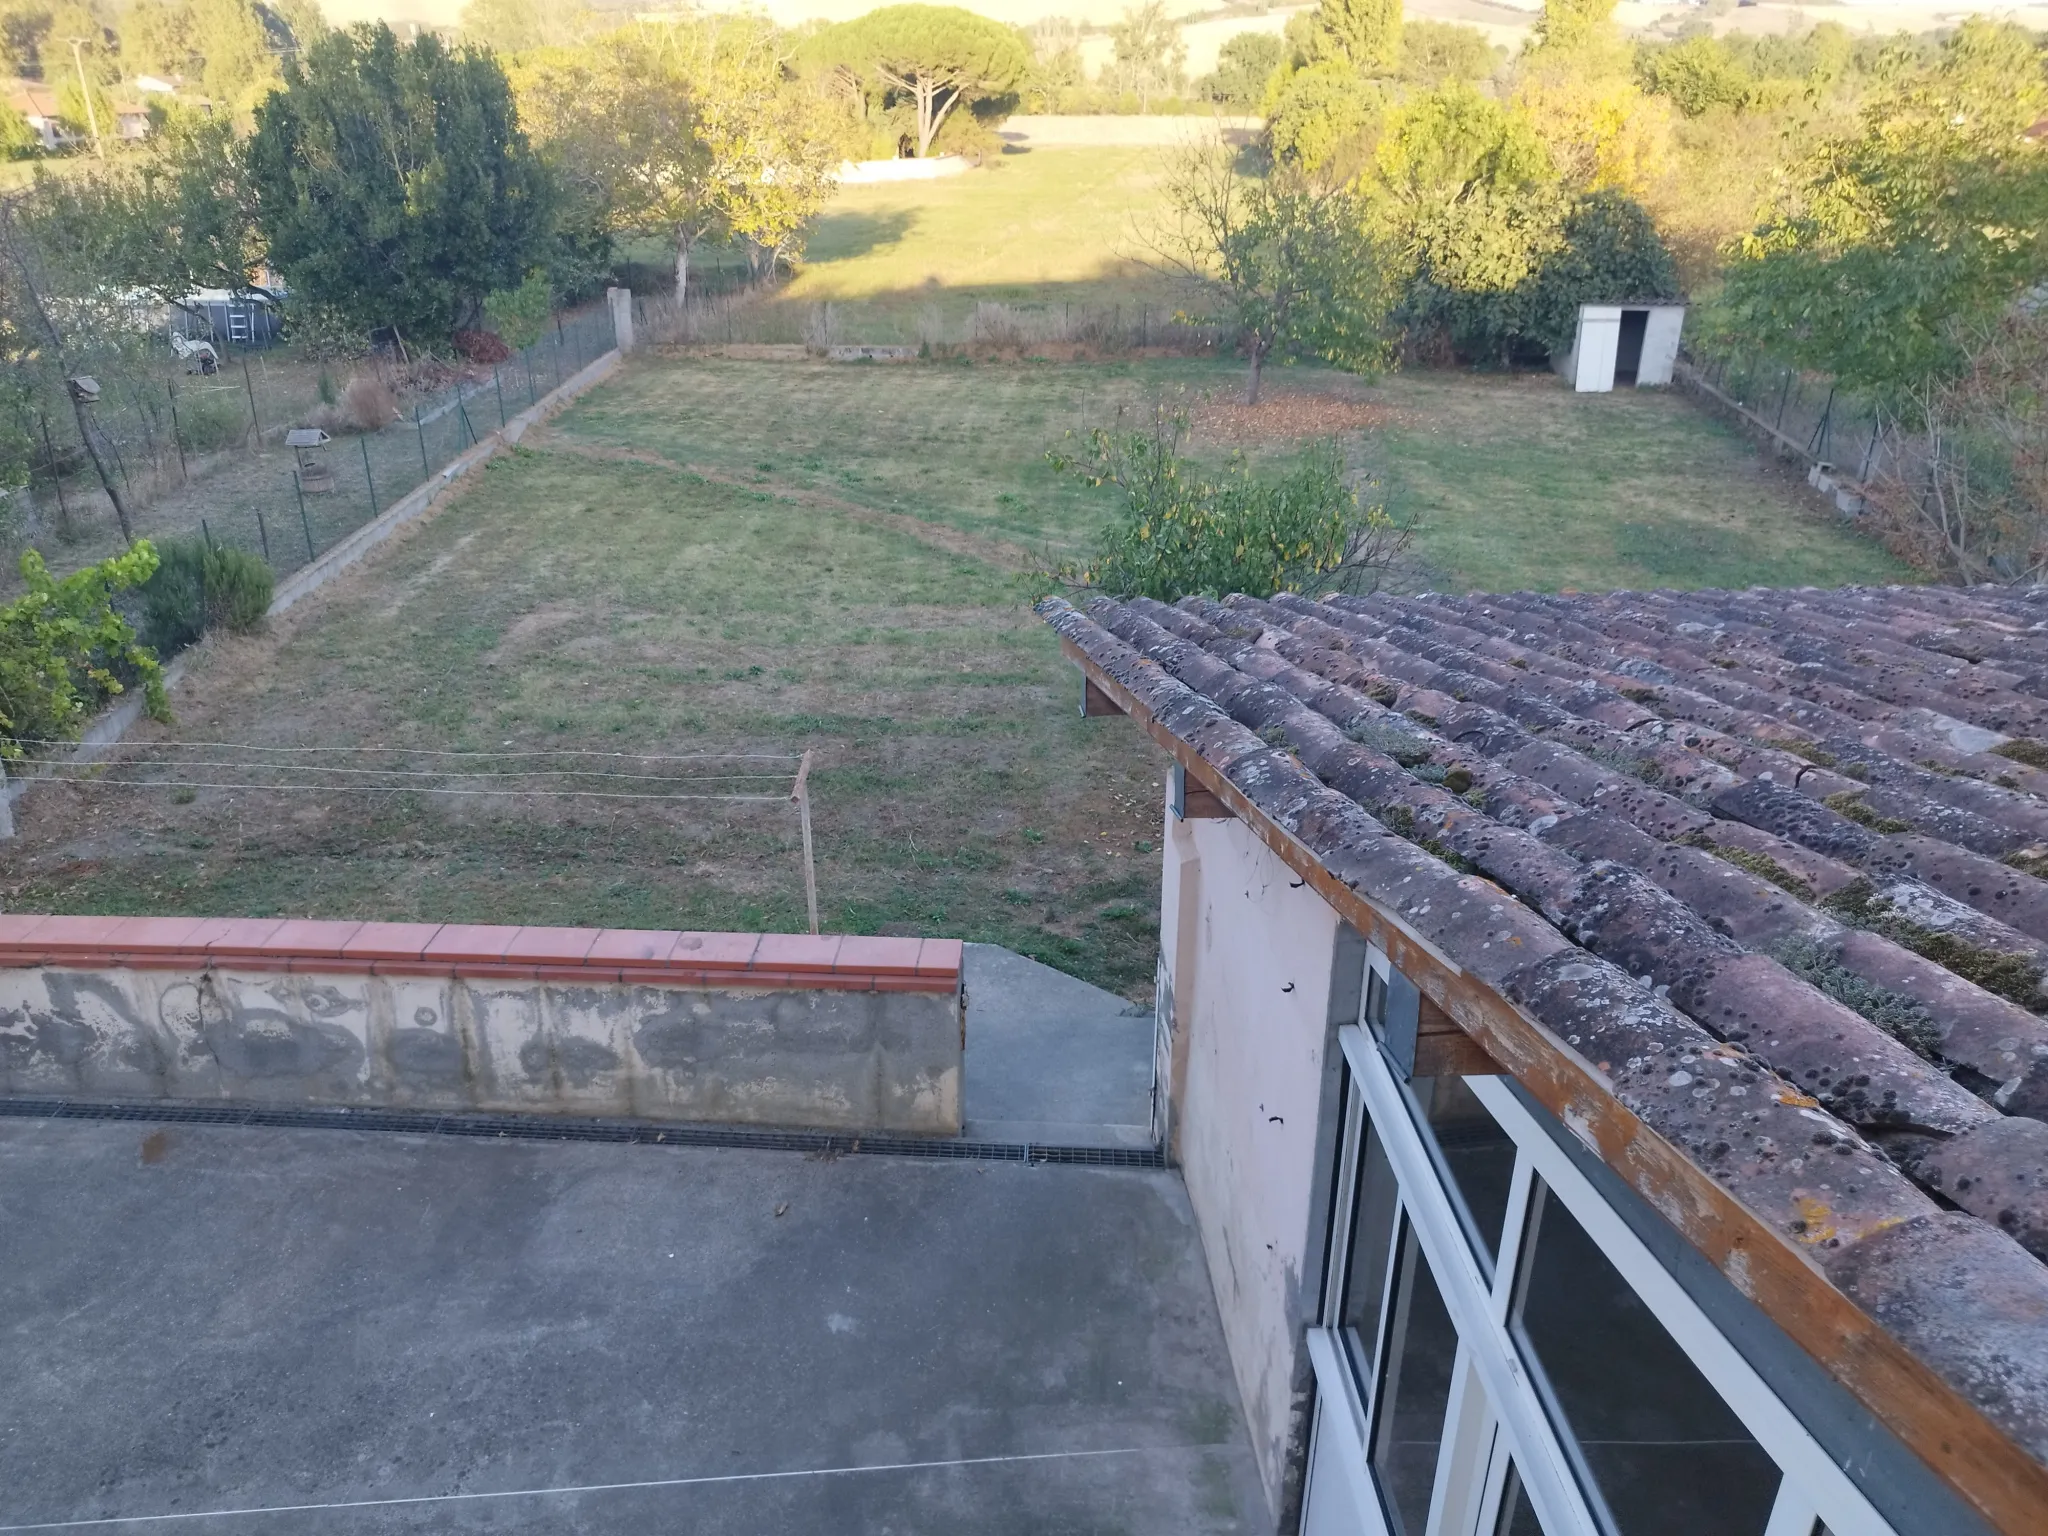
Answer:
(594, 955)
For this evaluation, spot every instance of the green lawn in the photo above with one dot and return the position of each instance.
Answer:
(720, 556)
(1054, 235)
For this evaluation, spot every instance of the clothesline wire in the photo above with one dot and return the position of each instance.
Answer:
(61, 764)
(644, 757)
(412, 789)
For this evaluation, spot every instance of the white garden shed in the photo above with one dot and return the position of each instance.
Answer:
(1622, 344)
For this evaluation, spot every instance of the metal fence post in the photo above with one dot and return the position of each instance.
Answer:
(1783, 395)
(304, 521)
(499, 385)
(463, 411)
(1817, 444)
(262, 534)
(420, 427)
(368, 479)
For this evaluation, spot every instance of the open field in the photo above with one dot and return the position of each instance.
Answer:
(1053, 233)
(722, 556)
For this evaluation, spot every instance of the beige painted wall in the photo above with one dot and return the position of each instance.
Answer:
(1249, 952)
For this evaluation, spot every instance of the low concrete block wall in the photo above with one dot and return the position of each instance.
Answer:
(781, 1030)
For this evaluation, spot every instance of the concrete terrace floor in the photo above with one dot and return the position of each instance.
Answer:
(363, 1326)
(231, 1330)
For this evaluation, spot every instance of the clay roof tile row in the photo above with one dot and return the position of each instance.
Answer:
(1771, 861)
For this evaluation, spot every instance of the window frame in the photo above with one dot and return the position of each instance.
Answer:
(1498, 1413)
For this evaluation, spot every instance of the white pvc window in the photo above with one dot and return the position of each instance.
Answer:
(1500, 1355)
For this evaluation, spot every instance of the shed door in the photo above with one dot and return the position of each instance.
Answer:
(1628, 352)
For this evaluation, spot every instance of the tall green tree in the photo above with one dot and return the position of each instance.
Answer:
(1366, 34)
(17, 140)
(394, 184)
(1572, 24)
(1926, 222)
(1243, 66)
(1147, 53)
(693, 130)
(934, 58)
(1319, 118)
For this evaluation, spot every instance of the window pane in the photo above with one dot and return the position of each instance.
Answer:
(1517, 1518)
(1658, 1445)
(1415, 1390)
(1372, 1239)
(1478, 1153)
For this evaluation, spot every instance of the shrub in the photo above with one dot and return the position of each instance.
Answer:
(64, 649)
(521, 314)
(239, 587)
(174, 598)
(366, 404)
(1307, 531)
(199, 586)
(481, 347)
(210, 421)
(996, 325)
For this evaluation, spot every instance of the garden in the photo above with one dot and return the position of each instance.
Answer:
(717, 556)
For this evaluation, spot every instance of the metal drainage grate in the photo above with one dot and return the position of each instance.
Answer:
(627, 1132)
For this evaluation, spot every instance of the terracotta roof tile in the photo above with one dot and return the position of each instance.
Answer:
(1797, 836)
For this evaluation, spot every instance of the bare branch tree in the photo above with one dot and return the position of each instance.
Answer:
(1963, 483)
(25, 271)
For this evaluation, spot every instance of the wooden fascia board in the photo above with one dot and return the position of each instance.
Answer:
(1964, 1448)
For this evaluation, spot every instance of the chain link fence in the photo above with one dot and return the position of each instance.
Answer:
(205, 453)
(1827, 424)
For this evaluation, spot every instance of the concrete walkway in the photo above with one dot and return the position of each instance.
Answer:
(224, 1331)
(1051, 1059)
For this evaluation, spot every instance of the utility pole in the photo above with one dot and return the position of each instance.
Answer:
(92, 116)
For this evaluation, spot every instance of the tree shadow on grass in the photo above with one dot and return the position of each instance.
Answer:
(849, 234)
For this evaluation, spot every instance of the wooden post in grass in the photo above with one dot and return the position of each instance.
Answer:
(801, 794)
(255, 421)
(177, 432)
(304, 521)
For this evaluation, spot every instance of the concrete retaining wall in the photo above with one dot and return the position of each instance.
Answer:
(868, 172)
(850, 1046)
